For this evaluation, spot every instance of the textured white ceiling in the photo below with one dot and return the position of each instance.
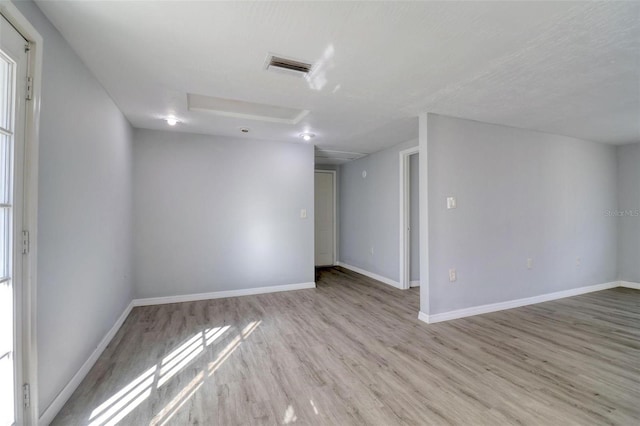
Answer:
(570, 68)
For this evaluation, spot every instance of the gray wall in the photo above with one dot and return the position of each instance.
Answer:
(370, 212)
(521, 194)
(217, 213)
(84, 277)
(629, 207)
(414, 217)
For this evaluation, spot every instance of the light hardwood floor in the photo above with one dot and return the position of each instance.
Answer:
(353, 352)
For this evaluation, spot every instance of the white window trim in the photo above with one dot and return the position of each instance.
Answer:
(27, 311)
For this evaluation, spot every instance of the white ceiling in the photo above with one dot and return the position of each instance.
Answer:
(558, 67)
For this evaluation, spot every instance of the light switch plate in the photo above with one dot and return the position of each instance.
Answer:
(303, 213)
(451, 203)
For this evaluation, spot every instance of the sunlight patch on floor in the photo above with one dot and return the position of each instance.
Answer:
(178, 401)
(180, 358)
(313, 405)
(133, 394)
(121, 403)
(232, 346)
(289, 415)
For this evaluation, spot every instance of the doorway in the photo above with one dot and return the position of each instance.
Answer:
(13, 84)
(325, 217)
(409, 218)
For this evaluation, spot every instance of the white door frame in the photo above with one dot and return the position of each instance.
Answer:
(405, 239)
(26, 311)
(335, 227)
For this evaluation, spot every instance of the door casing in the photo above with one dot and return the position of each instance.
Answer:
(404, 249)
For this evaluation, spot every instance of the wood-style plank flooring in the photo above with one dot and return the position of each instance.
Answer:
(352, 351)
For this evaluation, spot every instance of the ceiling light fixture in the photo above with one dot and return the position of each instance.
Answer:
(307, 136)
(171, 121)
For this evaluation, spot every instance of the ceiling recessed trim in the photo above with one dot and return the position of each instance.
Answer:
(246, 110)
(330, 156)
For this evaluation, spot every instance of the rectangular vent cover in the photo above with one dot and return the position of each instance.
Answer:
(288, 65)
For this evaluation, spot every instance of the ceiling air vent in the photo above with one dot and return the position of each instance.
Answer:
(287, 65)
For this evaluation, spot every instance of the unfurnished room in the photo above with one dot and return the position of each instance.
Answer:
(319, 212)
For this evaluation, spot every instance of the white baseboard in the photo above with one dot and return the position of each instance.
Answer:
(54, 408)
(376, 277)
(221, 294)
(414, 283)
(629, 284)
(510, 304)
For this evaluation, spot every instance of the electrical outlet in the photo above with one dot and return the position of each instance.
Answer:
(453, 275)
(303, 213)
(371, 250)
(529, 263)
(578, 262)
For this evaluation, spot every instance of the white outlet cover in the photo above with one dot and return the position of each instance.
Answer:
(303, 213)
(452, 203)
(453, 276)
(364, 174)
